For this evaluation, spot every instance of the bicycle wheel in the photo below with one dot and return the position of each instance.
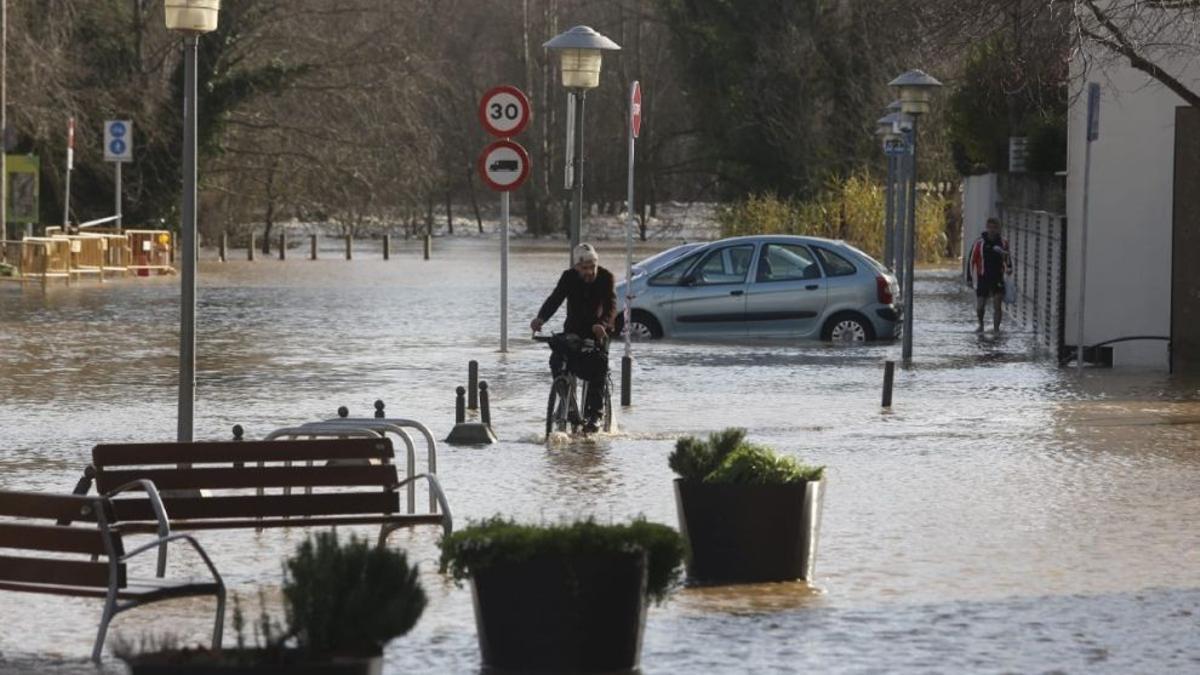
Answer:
(556, 407)
(608, 409)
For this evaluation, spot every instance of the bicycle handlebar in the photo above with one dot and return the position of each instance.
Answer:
(585, 344)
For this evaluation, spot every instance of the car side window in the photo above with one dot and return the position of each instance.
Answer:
(672, 274)
(727, 265)
(787, 262)
(835, 265)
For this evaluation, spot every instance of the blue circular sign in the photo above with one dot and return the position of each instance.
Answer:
(116, 129)
(117, 146)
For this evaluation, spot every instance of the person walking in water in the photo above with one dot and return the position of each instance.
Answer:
(988, 263)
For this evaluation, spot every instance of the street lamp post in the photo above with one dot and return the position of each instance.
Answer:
(192, 18)
(581, 53)
(916, 91)
(887, 133)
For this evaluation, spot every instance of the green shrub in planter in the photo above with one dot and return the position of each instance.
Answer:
(746, 512)
(343, 602)
(563, 598)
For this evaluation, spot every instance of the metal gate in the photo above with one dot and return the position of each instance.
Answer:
(1037, 243)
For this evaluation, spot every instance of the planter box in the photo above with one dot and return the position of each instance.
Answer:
(580, 614)
(292, 663)
(750, 533)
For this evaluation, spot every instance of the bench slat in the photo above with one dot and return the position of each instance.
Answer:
(62, 539)
(61, 572)
(147, 527)
(251, 476)
(49, 506)
(255, 506)
(241, 451)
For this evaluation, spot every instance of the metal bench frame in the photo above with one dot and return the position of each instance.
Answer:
(117, 596)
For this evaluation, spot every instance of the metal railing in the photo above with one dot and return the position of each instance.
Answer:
(1037, 244)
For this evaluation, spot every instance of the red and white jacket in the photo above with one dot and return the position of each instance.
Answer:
(975, 268)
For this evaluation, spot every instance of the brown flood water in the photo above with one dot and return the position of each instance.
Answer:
(1006, 516)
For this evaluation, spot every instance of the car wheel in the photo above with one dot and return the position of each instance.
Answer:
(643, 326)
(848, 328)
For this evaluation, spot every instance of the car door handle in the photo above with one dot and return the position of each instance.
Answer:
(813, 287)
(737, 292)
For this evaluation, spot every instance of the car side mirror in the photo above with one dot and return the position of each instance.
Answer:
(688, 280)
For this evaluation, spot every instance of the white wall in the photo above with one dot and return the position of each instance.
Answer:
(1130, 213)
(981, 194)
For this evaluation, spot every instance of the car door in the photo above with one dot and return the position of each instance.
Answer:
(711, 299)
(789, 292)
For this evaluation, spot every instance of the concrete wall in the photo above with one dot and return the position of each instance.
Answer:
(1128, 259)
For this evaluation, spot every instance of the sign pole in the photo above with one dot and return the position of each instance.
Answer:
(117, 181)
(1093, 133)
(504, 197)
(635, 122)
(910, 247)
(187, 323)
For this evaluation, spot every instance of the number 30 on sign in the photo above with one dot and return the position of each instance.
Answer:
(504, 111)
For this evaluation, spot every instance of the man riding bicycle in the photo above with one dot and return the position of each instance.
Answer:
(591, 309)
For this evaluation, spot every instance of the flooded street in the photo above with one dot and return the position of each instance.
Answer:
(1005, 516)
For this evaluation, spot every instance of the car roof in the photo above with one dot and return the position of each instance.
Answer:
(785, 238)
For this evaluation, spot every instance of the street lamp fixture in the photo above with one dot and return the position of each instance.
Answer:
(581, 51)
(916, 89)
(192, 18)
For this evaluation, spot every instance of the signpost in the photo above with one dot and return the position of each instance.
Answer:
(118, 149)
(504, 111)
(635, 128)
(1093, 133)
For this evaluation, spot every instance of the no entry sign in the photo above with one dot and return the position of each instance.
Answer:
(504, 165)
(635, 109)
(504, 111)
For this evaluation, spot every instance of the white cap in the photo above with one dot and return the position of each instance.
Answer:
(586, 253)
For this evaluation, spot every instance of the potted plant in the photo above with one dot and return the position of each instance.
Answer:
(343, 602)
(747, 513)
(563, 598)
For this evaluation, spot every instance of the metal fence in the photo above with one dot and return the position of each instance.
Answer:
(1037, 243)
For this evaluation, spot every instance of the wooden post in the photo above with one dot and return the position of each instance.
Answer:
(313, 244)
(387, 247)
(349, 254)
(473, 385)
(283, 246)
(889, 374)
(250, 248)
(221, 252)
(428, 245)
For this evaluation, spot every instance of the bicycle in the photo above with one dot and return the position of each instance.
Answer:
(568, 390)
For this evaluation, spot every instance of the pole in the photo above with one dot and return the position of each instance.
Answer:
(1083, 228)
(187, 329)
(889, 216)
(67, 187)
(577, 217)
(627, 359)
(900, 217)
(118, 205)
(504, 197)
(312, 244)
(4, 119)
(910, 247)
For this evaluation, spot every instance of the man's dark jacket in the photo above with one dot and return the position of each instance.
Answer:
(587, 304)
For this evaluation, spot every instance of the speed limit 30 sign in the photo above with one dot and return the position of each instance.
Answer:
(504, 111)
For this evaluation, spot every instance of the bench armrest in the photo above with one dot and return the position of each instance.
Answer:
(160, 514)
(162, 543)
(436, 488)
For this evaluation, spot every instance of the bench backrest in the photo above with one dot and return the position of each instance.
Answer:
(231, 474)
(59, 555)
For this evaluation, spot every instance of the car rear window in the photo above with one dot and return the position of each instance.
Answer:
(835, 265)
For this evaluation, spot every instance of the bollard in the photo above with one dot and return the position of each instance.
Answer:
(312, 241)
(250, 249)
(224, 246)
(379, 410)
(626, 380)
(485, 413)
(428, 245)
(282, 246)
(473, 385)
(387, 247)
(460, 408)
(889, 374)
(238, 432)
(349, 247)
(343, 411)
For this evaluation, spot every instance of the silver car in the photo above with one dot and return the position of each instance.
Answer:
(766, 286)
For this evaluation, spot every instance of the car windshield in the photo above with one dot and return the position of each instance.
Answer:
(662, 258)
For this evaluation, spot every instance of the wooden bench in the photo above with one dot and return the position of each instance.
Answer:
(337, 485)
(88, 559)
